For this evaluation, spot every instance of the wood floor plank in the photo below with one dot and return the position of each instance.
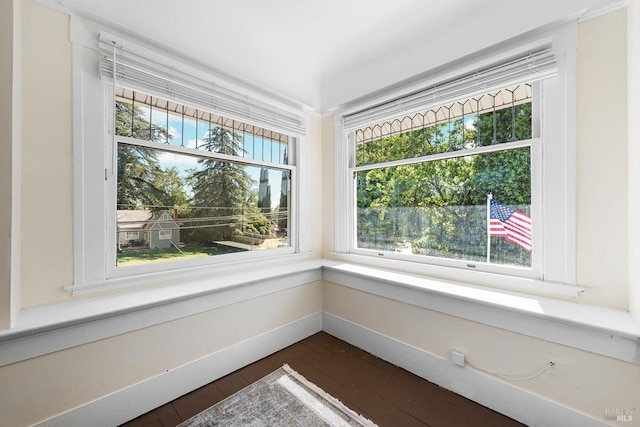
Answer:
(380, 391)
(167, 415)
(231, 383)
(190, 404)
(422, 399)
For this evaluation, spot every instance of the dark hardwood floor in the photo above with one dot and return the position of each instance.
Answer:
(382, 392)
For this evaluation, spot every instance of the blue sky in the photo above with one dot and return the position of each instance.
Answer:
(189, 134)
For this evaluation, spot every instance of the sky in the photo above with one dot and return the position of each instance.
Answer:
(189, 134)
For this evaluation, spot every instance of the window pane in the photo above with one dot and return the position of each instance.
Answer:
(439, 208)
(155, 119)
(493, 118)
(174, 206)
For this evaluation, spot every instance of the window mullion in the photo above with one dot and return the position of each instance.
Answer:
(448, 155)
(200, 153)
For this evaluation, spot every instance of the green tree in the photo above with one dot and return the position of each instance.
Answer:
(138, 167)
(439, 207)
(221, 188)
(172, 185)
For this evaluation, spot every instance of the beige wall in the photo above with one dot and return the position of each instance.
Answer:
(316, 185)
(46, 179)
(633, 115)
(50, 384)
(597, 382)
(7, 128)
(328, 175)
(601, 160)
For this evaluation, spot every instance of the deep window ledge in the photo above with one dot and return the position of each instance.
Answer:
(601, 330)
(42, 330)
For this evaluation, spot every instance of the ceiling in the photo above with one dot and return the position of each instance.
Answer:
(324, 53)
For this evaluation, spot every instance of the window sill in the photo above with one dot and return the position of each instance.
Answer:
(601, 330)
(227, 272)
(467, 278)
(41, 330)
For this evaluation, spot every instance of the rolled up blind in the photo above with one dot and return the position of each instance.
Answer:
(531, 67)
(135, 69)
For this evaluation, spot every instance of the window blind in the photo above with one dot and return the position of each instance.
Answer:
(147, 72)
(531, 67)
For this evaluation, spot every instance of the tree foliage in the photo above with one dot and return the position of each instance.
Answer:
(141, 182)
(438, 208)
(223, 191)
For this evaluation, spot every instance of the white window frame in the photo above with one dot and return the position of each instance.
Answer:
(94, 149)
(553, 159)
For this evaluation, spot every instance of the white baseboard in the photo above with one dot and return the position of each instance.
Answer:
(511, 401)
(137, 399)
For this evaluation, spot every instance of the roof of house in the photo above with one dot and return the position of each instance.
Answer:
(133, 220)
(138, 220)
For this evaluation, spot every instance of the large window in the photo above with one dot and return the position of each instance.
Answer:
(176, 167)
(433, 183)
(465, 170)
(195, 184)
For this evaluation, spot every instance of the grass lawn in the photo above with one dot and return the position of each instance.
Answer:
(143, 256)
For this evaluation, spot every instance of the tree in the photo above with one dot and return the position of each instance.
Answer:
(138, 167)
(221, 188)
(439, 207)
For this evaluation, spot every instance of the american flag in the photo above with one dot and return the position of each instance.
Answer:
(510, 224)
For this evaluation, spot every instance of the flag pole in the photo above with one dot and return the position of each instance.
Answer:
(489, 197)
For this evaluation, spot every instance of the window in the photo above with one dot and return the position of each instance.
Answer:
(427, 184)
(164, 234)
(176, 166)
(453, 172)
(222, 185)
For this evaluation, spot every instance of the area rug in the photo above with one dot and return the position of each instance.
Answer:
(282, 398)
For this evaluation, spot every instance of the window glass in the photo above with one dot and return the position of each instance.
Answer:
(453, 182)
(195, 200)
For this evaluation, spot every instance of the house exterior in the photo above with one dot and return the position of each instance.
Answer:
(141, 228)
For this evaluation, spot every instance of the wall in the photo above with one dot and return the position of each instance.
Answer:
(7, 150)
(592, 383)
(328, 172)
(633, 100)
(46, 176)
(601, 160)
(48, 385)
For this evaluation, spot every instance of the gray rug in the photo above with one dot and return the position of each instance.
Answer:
(282, 398)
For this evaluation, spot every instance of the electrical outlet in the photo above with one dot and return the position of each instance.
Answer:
(457, 358)
(564, 371)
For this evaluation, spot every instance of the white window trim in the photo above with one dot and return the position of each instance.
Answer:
(557, 192)
(93, 200)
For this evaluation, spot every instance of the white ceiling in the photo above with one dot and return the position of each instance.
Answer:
(324, 53)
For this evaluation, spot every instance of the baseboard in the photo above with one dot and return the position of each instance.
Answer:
(513, 402)
(137, 399)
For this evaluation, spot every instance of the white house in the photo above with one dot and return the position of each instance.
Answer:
(82, 340)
